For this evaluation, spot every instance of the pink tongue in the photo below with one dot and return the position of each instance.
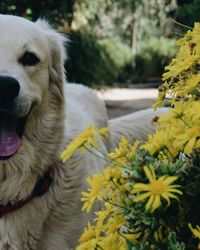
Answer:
(9, 140)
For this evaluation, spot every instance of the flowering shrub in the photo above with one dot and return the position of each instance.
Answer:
(150, 193)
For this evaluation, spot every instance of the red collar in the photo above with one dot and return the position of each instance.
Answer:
(41, 187)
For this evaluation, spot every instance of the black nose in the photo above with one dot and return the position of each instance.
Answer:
(9, 89)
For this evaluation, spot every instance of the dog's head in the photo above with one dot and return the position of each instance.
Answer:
(31, 95)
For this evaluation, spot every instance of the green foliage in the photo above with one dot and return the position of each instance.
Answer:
(87, 62)
(54, 11)
(173, 244)
(93, 61)
(119, 52)
(149, 62)
(153, 56)
(189, 13)
(139, 23)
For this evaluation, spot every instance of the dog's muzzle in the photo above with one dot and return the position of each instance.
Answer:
(11, 127)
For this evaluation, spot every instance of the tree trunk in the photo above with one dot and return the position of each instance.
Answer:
(134, 37)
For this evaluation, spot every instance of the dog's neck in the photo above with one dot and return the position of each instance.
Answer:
(41, 187)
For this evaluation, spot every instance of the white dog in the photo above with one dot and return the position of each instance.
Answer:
(40, 204)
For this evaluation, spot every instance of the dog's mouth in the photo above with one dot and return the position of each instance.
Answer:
(11, 131)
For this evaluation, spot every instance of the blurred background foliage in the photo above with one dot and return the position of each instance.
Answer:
(114, 41)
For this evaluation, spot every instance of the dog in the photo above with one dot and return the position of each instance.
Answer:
(40, 207)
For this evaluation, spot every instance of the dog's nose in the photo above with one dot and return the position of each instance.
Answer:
(9, 89)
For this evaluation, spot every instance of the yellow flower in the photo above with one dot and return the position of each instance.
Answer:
(158, 235)
(102, 216)
(156, 142)
(159, 100)
(115, 223)
(132, 236)
(96, 183)
(156, 189)
(113, 241)
(89, 245)
(175, 113)
(188, 139)
(195, 231)
(84, 140)
(88, 234)
(124, 152)
(192, 84)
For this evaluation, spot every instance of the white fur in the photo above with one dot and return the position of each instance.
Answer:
(59, 111)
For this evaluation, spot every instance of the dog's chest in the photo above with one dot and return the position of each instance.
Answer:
(22, 229)
(3, 244)
(18, 236)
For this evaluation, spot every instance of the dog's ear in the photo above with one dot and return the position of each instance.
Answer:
(57, 44)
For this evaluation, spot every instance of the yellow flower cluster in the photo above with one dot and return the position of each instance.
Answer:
(109, 187)
(178, 131)
(109, 230)
(110, 221)
(182, 76)
(124, 152)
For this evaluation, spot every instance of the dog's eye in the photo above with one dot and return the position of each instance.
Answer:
(29, 59)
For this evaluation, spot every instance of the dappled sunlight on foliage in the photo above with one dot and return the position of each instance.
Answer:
(110, 41)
